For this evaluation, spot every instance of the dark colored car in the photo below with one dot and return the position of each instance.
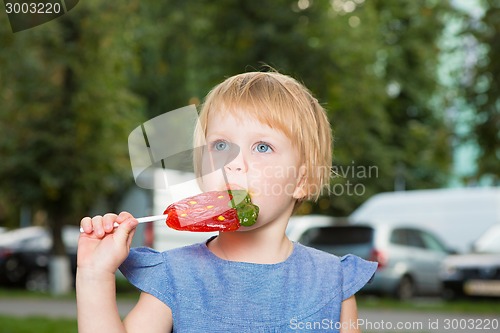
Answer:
(476, 274)
(25, 255)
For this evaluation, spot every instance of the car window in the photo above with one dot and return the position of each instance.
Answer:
(414, 239)
(399, 237)
(432, 243)
(322, 236)
(406, 237)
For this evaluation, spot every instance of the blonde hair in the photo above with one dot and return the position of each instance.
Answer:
(282, 103)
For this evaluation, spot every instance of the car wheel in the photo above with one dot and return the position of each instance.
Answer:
(406, 289)
(448, 294)
(37, 280)
(14, 270)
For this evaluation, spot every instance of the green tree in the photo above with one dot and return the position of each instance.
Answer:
(373, 65)
(71, 90)
(164, 52)
(306, 40)
(483, 90)
(411, 32)
(66, 112)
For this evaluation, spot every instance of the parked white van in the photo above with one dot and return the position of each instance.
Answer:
(458, 216)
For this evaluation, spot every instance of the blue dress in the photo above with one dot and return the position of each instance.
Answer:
(208, 294)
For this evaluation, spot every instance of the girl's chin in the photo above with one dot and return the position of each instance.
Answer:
(245, 229)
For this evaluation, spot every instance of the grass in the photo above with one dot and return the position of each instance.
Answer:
(37, 324)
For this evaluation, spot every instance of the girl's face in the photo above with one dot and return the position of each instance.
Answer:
(260, 160)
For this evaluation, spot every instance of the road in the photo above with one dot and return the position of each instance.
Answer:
(369, 320)
(51, 308)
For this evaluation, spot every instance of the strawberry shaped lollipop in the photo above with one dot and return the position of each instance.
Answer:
(213, 211)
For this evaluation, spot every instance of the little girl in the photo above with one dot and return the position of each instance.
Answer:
(250, 280)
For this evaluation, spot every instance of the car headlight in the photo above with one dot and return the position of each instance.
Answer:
(450, 272)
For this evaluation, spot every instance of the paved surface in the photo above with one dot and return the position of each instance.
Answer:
(52, 308)
(370, 320)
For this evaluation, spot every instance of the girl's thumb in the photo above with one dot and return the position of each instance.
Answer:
(126, 230)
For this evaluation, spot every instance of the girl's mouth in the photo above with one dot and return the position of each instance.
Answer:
(235, 187)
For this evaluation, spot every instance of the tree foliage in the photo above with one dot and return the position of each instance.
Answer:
(66, 112)
(372, 64)
(72, 89)
(483, 90)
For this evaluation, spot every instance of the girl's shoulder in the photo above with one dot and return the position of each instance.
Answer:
(147, 257)
(309, 254)
(350, 272)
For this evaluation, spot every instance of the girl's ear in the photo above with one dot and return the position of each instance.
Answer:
(301, 189)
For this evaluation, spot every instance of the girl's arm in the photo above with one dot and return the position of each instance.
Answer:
(101, 249)
(98, 311)
(96, 302)
(349, 316)
(149, 315)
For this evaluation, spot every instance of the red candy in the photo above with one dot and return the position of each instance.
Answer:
(209, 211)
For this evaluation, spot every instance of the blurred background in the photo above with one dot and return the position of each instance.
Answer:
(412, 90)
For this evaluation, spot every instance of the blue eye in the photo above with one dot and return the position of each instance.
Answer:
(263, 148)
(220, 145)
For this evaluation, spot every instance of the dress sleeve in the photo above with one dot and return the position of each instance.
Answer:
(356, 272)
(145, 268)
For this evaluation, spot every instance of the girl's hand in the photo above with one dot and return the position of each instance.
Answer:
(102, 247)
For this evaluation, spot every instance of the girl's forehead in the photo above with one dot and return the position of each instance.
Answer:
(247, 120)
(239, 117)
(255, 115)
(230, 122)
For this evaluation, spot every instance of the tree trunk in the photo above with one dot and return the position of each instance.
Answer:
(60, 276)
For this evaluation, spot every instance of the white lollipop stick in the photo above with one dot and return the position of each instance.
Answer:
(143, 220)
(152, 218)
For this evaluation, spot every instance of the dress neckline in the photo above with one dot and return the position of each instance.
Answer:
(215, 258)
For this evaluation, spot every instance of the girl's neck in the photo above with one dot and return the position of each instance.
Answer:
(264, 245)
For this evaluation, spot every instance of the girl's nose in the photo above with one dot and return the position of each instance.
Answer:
(238, 164)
